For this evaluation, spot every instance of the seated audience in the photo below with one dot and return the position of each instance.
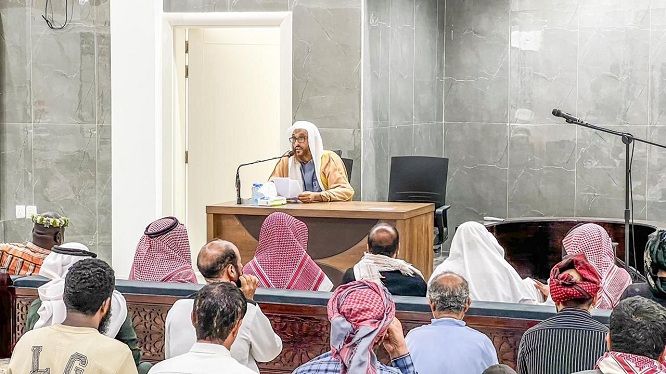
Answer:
(655, 271)
(217, 316)
(49, 309)
(636, 341)
(220, 261)
(477, 256)
(362, 314)
(380, 264)
(499, 369)
(78, 345)
(571, 340)
(593, 241)
(163, 254)
(281, 259)
(26, 259)
(469, 351)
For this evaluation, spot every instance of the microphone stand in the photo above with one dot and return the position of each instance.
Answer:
(627, 139)
(238, 181)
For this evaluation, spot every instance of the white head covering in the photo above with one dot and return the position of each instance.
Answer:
(316, 148)
(53, 310)
(477, 256)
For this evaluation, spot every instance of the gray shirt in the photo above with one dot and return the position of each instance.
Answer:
(309, 173)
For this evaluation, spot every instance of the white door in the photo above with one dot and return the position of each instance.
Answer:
(233, 116)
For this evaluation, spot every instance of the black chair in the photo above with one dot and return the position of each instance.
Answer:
(348, 165)
(421, 179)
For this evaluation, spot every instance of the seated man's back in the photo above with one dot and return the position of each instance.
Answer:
(397, 283)
(68, 349)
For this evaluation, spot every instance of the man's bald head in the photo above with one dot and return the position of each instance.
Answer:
(383, 239)
(449, 293)
(47, 237)
(216, 256)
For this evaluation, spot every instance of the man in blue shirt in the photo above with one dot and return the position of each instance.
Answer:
(467, 351)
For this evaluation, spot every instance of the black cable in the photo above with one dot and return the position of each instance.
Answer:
(51, 23)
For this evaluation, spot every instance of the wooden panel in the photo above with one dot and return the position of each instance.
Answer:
(304, 329)
(340, 209)
(416, 241)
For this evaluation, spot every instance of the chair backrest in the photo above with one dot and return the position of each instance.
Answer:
(418, 179)
(348, 165)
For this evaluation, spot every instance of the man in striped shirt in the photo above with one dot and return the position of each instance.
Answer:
(572, 340)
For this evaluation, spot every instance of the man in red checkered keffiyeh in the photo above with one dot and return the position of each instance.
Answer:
(163, 254)
(281, 259)
(594, 242)
(582, 285)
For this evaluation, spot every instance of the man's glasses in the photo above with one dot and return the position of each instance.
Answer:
(300, 140)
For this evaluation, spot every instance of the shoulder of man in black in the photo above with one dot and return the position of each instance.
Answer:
(404, 285)
(348, 276)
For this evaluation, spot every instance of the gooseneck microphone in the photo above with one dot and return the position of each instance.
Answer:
(238, 181)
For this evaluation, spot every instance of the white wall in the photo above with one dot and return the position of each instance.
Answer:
(136, 109)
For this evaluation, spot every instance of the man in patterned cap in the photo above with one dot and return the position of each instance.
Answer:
(362, 314)
(655, 271)
(572, 340)
(26, 259)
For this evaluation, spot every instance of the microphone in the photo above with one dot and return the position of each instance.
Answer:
(567, 116)
(238, 181)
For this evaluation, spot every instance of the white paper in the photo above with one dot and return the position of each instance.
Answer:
(289, 188)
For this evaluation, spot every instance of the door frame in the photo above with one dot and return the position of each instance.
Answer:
(173, 156)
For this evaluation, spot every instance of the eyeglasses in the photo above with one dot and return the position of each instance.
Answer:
(300, 139)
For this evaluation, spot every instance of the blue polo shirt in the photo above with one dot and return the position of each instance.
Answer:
(447, 345)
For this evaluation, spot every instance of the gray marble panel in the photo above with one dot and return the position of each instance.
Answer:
(600, 181)
(613, 75)
(258, 5)
(196, 5)
(544, 44)
(658, 15)
(656, 175)
(103, 72)
(105, 253)
(542, 170)
(401, 140)
(427, 87)
(102, 12)
(441, 47)
(103, 185)
(327, 63)
(375, 163)
(349, 142)
(429, 139)
(377, 34)
(476, 79)
(17, 230)
(402, 63)
(63, 72)
(64, 159)
(477, 177)
(15, 168)
(15, 63)
(657, 77)
(615, 13)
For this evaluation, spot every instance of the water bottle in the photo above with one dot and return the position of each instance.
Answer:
(255, 193)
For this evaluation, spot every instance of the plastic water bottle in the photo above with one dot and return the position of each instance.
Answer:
(255, 193)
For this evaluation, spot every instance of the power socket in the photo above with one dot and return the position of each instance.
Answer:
(20, 211)
(30, 210)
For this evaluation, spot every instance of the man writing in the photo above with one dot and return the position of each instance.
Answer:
(322, 174)
(26, 259)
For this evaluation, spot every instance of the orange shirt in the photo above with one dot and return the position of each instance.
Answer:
(22, 259)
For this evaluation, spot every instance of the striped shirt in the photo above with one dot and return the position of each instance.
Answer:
(568, 342)
(22, 259)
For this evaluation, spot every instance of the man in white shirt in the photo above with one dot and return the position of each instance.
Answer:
(220, 261)
(217, 316)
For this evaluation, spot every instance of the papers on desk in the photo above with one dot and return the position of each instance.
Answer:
(288, 188)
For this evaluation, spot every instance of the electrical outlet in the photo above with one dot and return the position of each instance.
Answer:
(30, 210)
(20, 211)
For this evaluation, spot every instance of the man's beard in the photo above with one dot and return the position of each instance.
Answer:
(104, 323)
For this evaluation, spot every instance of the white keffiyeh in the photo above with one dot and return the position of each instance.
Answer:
(371, 265)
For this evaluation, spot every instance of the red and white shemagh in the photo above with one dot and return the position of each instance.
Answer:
(625, 363)
(281, 260)
(360, 313)
(563, 287)
(165, 258)
(594, 242)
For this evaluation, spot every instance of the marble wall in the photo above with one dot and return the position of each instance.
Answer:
(326, 70)
(55, 126)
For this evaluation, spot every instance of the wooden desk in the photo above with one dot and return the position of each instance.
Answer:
(337, 231)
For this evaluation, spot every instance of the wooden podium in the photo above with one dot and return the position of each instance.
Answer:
(337, 231)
